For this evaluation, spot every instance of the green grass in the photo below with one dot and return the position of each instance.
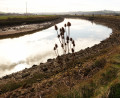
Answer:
(74, 94)
(115, 91)
(115, 87)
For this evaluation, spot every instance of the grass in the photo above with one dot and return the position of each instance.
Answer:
(115, 91)
(12, 85)
(100, 62)
(105, 16)
(24, 16)
(105, 80)
(115, 85)
(17, 20)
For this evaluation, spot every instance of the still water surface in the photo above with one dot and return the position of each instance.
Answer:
(19, 53)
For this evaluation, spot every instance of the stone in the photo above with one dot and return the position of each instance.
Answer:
(26, 85)
(0, 91)
(41, 63)
(45, 69)
(5, 77)
(49, 60)
(34, 65)
(25, 75)
(32, 89)
(38, 80)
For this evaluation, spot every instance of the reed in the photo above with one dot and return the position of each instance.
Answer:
(67, 44)
(64, 38)
(56, 50)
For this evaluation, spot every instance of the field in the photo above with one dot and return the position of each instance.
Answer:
(18, 20)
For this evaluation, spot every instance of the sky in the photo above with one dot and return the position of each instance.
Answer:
(35, 6)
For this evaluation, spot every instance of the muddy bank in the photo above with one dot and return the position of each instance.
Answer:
(39, 80)
(21, 30)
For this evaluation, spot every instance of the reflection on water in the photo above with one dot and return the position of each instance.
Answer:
(19, 53)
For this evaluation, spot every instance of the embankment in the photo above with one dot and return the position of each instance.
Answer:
(92, 74)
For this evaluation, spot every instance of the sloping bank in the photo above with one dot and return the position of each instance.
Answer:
(18, 30)
(94, 73)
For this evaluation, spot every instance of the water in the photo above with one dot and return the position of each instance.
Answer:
(19, 53)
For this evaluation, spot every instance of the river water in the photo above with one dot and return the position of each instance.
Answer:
(19, 53)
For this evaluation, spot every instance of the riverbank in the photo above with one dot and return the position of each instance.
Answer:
(94, 73)
(15, 20)
(34, 25)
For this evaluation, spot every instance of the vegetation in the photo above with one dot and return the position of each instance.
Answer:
(115, 91)
(12, 85)
(105, 81)
(67, 44)
(18, 20)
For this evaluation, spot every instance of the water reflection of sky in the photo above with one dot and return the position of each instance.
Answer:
(19, 53)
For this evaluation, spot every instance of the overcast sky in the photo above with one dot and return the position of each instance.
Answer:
(58, 5)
